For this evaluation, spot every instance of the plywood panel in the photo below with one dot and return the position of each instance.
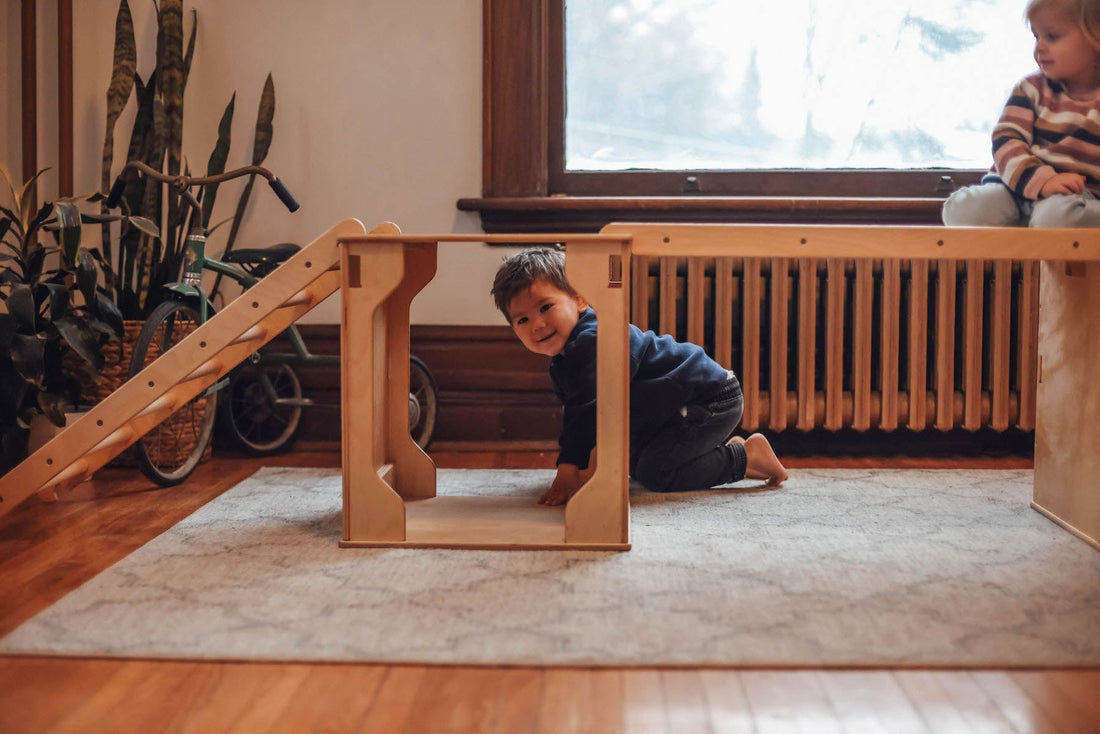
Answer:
(1067, 427)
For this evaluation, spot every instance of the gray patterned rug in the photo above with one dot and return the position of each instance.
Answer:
(839, 567)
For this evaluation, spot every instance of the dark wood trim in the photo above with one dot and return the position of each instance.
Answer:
(589, 214)
(65, 97)
(515, 102)
(29, 73)
(490, 387)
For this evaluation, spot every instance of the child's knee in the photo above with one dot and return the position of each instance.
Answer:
(1066, 210)
(985, 205)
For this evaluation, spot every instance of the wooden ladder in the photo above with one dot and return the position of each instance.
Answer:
(193, 365)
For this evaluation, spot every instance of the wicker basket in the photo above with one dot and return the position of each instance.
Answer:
(115, 372)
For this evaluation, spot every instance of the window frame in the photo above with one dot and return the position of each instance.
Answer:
(524, 176)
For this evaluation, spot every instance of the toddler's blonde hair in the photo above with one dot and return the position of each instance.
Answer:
(1085, 12)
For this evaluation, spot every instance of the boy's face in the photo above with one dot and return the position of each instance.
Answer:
(543, 316)
(1062, 50)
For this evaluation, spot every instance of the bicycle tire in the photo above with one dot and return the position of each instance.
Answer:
(424, 392)
(252, 422)
(169, 453)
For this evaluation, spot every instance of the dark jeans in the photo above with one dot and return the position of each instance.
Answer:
(690, 451)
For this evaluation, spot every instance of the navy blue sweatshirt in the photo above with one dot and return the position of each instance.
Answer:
(665, 375)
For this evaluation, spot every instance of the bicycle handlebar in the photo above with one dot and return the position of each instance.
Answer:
(182, 183)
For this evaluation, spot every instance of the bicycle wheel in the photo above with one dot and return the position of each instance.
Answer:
(257, 421)
(170, 452)
(423, 402)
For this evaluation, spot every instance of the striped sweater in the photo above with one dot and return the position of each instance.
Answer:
(1043, 132)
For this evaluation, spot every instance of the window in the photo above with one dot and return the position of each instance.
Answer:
(600, 158)
(784, 85)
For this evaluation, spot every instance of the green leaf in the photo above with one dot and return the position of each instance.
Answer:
(79, 335)
(25, 201)
(58, 299)
(264, 130)
(171, 82)
(122, 84)
(28, 354)
(53, 407)
(218, 157)
(145, 225)
(20, 305)
(69, 230)
(109, 313)
(86, 276)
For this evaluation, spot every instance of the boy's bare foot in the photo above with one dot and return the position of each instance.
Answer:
(762, 461)
(749, 472)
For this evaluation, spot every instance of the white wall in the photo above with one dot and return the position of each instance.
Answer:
(378, 117)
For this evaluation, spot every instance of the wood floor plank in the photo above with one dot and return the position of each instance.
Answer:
(517, 695)
(338, 698)
(726, 702)
(1058, 697)
(789, 701)
(1018, 707)
(685, 701)
(393, 703)
(450, 699)
(136, 698)
(37, 693)
(870, 701)
(581, 700)
(643, 703)
(937, 707)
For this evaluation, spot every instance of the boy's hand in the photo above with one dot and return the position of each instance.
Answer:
(566, 483)
(1063, 183)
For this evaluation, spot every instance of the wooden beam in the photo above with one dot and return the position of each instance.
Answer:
(29, 71)
(65, 97)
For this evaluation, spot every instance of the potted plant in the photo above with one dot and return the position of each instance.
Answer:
(54, 318)
(137, 265)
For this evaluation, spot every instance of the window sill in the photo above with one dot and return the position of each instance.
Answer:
(512, 215)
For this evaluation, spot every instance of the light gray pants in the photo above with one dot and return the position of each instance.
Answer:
(993, 205)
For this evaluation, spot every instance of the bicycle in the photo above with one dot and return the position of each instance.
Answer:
(258, 406)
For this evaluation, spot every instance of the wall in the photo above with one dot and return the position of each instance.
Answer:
(378, 117)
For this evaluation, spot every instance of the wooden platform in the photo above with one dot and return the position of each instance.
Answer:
(382, 271)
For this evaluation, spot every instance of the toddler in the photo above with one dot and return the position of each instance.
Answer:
(684, 406)
(1046, 145)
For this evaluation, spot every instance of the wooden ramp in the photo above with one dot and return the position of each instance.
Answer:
(193, 365)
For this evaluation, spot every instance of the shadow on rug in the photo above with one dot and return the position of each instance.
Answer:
(838, 567)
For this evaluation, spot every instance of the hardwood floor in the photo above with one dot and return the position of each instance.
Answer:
(47, 550)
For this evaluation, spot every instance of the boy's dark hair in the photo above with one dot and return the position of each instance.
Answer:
(520, 271)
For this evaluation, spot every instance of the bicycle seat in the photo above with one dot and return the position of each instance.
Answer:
(275, 253)
(261, 260)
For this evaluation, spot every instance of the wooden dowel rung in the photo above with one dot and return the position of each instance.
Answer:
(206, 369)
(165, 404)
(256, 333)
(303, 297)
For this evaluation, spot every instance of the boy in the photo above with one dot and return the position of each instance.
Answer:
(684, 406)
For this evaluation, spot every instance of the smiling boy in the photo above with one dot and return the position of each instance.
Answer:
(684, 406)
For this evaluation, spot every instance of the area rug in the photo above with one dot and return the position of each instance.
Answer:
(838, 567)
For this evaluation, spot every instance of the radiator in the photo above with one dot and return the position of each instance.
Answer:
(860, 344)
